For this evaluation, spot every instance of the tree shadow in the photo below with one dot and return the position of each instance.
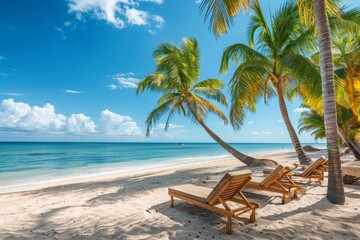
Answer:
(185, 221)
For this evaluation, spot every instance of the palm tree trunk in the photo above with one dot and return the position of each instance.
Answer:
(250, 161)
(355, 149)
(335, 190)
(302, 156)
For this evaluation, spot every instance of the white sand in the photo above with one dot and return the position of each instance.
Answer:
(135, 206)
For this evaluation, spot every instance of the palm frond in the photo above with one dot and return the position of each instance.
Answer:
(305, 72)
(306, 11)
(312, 122)
(285, 25)
(157, 113)
(176, 106)
(348, 22)
(176, 77)
(258, 22)
(246, 88)
(221, 13)
(211, 88)
(156, 82)
(199, 107)
(241, 52)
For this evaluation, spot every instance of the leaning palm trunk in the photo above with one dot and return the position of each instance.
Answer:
(347, 179)
(302, 156)
(335, 190)
(350, 143)
(249, 161)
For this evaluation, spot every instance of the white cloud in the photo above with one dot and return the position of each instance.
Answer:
(116, 124)
(11, 112)
(251, 123)
(279, 121)
(112, 87)
(101, 9)
(73, 91)
(119, 13)
(267, 133)
(136, 17)
(19, 116)
(2, 57)
(3, 74)
(171, 126)
(79, 123)
(124, 74)
(254, 132)
(159, 21)
(125, 80)
(128, 82)
(301, 109)
(13, 94)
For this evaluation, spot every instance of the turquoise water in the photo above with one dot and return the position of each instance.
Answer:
(21, 163)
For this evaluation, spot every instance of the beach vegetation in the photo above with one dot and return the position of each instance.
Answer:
(313, 13)
(176, 78)
(272, 69)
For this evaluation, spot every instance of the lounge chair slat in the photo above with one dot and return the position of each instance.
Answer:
(315, 170)
(277, 181)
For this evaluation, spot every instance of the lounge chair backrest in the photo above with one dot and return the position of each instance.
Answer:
(229, 186)
(291, 167)
(319, 162)
(274, 175)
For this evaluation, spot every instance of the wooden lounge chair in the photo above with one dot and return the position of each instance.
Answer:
(313, 171)
(324, 166)
(277, 181)
(216, 199)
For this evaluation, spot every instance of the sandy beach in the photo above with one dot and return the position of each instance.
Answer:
(136, 206)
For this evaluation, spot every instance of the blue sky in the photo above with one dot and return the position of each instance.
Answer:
(68, 70)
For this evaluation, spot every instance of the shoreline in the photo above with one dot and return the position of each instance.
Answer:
(22, 185)
(102, 176)
(37, 184)
(61, 180)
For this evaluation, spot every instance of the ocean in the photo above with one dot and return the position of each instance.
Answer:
(33, 163)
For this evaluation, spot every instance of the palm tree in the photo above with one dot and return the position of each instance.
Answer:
(335, 190)
(313, 122)
(222, 13)
(346, 53)
(177, 78)
(268, 71)
(347, 61)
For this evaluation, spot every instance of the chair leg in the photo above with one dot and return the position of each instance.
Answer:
(252, 216)
(228, 226)
(171, 201)
(283, 199)
(296, 194)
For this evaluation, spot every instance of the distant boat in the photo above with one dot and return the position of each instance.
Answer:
(180, 144)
